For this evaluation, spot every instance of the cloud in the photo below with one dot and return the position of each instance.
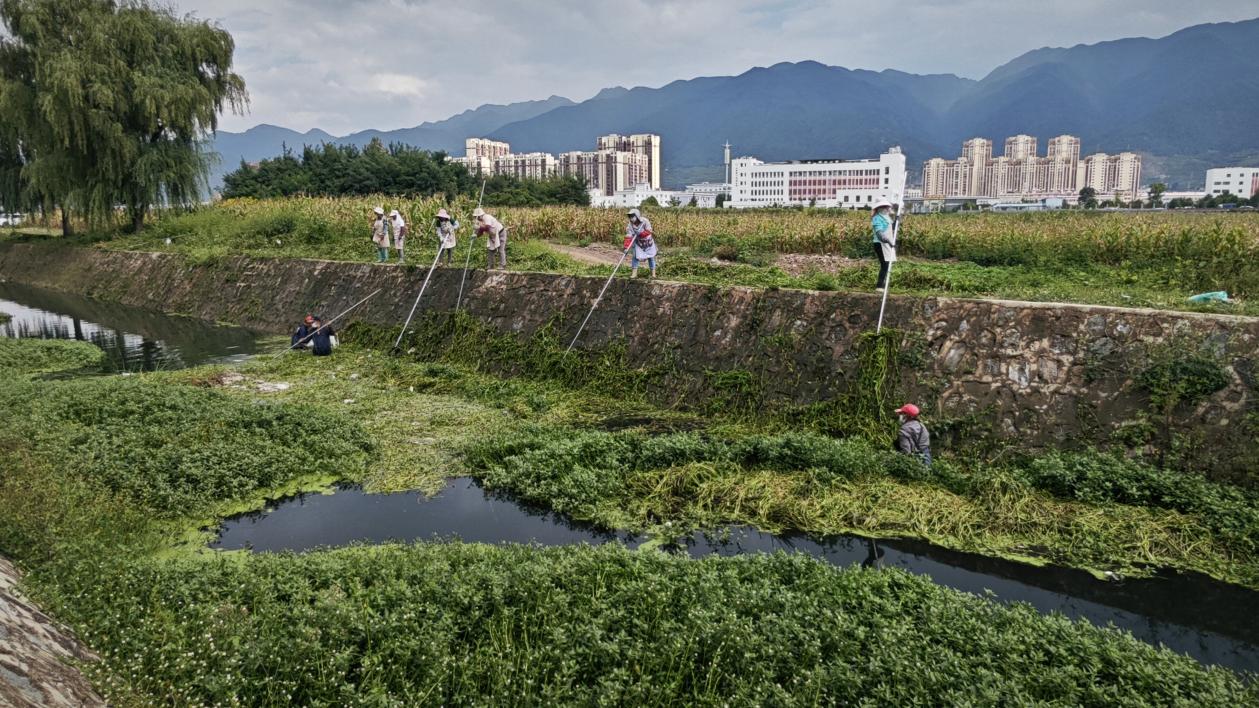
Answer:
(346, 65)
(400, 85)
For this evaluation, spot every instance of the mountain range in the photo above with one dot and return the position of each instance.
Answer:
(1186, 101)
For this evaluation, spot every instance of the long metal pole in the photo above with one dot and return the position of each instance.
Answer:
(417, 298)
(334, 319)
(468, 261)
(597, 299)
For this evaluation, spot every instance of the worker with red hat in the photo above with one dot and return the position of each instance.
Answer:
(913, 438)
(301, 337)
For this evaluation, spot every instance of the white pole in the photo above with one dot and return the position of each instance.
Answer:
(597, 299)
(887, 284)
(468, 261)
(417, 298)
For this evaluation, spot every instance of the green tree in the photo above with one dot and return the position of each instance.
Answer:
(721, 200)
(1088, 198)
(1156, 194)
(649, 202)
(110, 102)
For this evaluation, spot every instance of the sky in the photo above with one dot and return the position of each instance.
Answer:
(348, 65)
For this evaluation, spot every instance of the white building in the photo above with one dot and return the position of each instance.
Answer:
(635, 196)
(1242, 181)
(843, 184)
(705, 193)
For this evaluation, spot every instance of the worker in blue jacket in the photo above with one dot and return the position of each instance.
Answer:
(322, 338)
(298, 340)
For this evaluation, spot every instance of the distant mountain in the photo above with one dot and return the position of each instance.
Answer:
(784, 111)
(1192, 92)
(1184, 100)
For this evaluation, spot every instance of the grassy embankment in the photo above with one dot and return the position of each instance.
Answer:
(1127, 259)
(106, 477)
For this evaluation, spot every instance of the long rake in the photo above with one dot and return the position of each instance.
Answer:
(468, 261)
(595, 304)
(398, 344)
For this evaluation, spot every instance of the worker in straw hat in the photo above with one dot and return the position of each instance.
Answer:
(638, 232)
(399, 227)
(913, 438)
(446, 227)
(495, 238)
(380, 234)
(884, 240)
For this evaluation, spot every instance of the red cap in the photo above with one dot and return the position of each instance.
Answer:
(309, 319)
(908, 409)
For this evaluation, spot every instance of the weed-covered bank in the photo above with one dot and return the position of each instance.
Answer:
(106, 478)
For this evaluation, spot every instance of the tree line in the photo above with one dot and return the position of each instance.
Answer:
(347, 170)
(107, 106)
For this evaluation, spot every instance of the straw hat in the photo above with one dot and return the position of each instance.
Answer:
(442, 214)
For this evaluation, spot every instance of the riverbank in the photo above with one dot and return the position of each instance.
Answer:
(37, 657)
(1173, 386)
(107, 538)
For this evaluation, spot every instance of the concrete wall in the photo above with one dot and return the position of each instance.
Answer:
(1043, 374)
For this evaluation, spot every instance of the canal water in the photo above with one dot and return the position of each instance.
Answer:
(132, 339)
(1216, 623)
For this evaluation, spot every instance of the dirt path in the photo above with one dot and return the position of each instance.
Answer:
(35, 654)
(594, 254)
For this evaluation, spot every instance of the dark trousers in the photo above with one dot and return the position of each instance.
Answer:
(446, 253)
(884, 266)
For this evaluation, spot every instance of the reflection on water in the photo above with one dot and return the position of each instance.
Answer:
(132, 339)
(1216, 623)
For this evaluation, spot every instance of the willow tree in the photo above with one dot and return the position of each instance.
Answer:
(110, 104)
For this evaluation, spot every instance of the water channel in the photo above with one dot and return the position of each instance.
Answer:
(1217, 623)
(133, 339)
(1214, 622)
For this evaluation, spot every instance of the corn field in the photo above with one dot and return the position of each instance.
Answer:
(1181, 245)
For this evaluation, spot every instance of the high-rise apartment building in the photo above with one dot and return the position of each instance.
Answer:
(1113, 175)
(1020, 147)
(527, 165)
(480, 154)
(608, 171)
(1021, 174)
(643, 144)
(620, 162)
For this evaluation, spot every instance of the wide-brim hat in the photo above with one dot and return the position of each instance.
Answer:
(478, 212)
(633, 212)
(380, 211)
(394, 213)
(881, 203)
(442, 214)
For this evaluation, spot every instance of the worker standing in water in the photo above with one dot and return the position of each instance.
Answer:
(323, 338)
(913, 438)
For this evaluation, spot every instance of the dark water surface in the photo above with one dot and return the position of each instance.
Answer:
(132, 339)
(1214, 622)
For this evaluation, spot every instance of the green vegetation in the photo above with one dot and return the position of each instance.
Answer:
(341, 170)
(108, 477)
(1135, 260)
(108, 104)
(456, 624)
(47, 356)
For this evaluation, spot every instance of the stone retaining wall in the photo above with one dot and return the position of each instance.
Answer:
(1044, 374)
